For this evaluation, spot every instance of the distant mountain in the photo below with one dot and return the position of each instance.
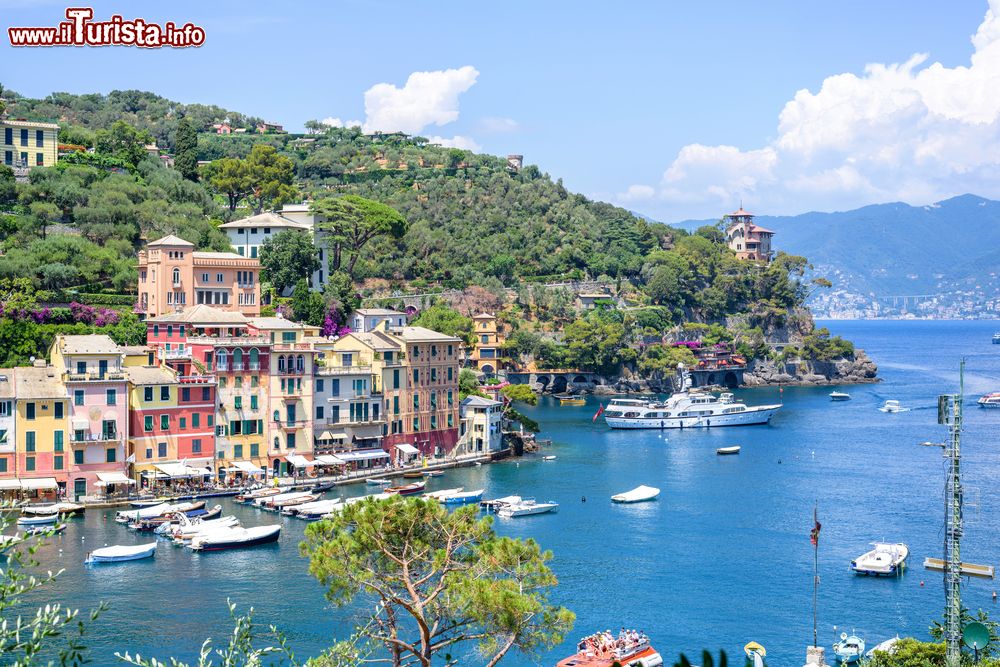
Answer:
(950, 248)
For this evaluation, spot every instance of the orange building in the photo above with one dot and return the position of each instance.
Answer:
(174, 276)
(746, 238)
(487, 353)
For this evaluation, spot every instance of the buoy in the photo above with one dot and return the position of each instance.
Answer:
(921, 584)
(583, 499)
(779, 462)
(994, 596)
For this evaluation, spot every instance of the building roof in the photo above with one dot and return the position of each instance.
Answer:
(266, 219)
(594, 295)
(757, 229)
(7, 383)
(132, 350)
(376, 340)
(170, 239)
(29, 123)
(38, 382)
(88, 344)
(372, 312)
(273, 323)
(201, 254)
(143, 375)
(739, 213)
(204, 315)
(484, 316)
(422, 335)
(480, 402)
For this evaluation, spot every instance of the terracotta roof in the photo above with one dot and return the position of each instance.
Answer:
(170, 239)
(422, 335)
(88, 344)
(739, 213)
(202, 314)
(757, 229)
(38, 382)
(374, 339)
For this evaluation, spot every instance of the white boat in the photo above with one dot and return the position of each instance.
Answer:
(637, 495)
(850, 648)
(236, 538)
(374, 496)
(316, 511)
(728, 451)
(497, 503)
(884, 560)
(991, 400)
(888, 646)
(192, 529)
(291, 502)
(688, 408)
(893, 405)
(464, 498)
(839, 396)
(312, 507)
(38, 520)
(549, 458)
(275, 500)
(443, 493)
(527, 507)
(372, 481)
(119, 553)
(49, 508)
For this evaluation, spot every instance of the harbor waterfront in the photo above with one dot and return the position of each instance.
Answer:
(721, 558)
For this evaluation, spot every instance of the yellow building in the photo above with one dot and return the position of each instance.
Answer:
(487, 354)
(42, 427)
(25, 144)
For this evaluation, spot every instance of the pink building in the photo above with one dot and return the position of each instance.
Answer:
(91, 371)
(174, 276)
(746, 238)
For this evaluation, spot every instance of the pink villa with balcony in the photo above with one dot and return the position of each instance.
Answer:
(97, 389)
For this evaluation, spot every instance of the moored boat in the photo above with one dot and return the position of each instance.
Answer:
(888, 646)
(189, 529)
(728, 451)
(885, 559)
(407, 489)
(991, 400)
(38, 519)
(996, 338)
(549, 458)
(147, 502)
(839, 396)
(527, 507)
(269, 501)
(496, 504)
(433, 473)
(603, 649)
(236, 538)
(372, 481)
(464, 497)
(300, 499)
(322, 487)
(413, 474)
(639, 494)
(755, 654)
(443, 493)
(850, 648)
(65, 508)
(120, 553)
(688, 408)
(569, 399)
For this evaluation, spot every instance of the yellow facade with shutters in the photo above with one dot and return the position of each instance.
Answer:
(42, 425)
(27, 144)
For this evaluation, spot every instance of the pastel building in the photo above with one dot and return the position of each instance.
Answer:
(747, 239)
(42, 427)
(26, 144)
(366, 319)
(8, 425)
(487, 353)
(91, 371)
(482, 425)
(174, 276)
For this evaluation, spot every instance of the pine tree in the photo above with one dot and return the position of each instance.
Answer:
(186, 150)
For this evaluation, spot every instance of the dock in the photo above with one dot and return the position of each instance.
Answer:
(968, 569)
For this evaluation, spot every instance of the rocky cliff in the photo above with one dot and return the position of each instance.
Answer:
(857, 370)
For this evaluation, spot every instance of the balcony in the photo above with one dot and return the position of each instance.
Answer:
(184, 353)
(197, 379)
(226, 341)
(292, 347)
(95, 439)
(343, 370)
(291, 370)
(95, 376)
(291, 424)
(357, 423)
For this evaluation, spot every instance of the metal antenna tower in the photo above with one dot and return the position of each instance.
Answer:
(950, 414)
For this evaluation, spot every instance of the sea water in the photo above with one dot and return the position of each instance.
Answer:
(721, 558)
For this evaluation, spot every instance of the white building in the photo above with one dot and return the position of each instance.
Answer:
(366, 319)
(482, 424)
(7, 420)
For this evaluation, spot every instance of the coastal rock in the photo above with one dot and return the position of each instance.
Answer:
(857, 370)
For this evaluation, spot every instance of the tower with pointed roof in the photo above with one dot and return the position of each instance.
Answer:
(747, 239)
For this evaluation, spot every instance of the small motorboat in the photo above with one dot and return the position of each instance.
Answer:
(65, 508)
(291, 502)
(569, 399)
(633, 650)
(38, 519)
(893, 405)
(254, 494)
(443, 493)
(755, 654)
(413, 474)
(372, 481)
(235, 538)
(549, 458)
(850, 648)
(187, 530)
(527, 507)
(407, 489)
(888, 646)
(120, 553)
(728, 451)
(885, 559)
(464, 497)
(322, 487)
(839, 396)
(317, 510)
(991, 400)
(637, 495)
(996, 338)
(497, 503)
(433, 473)
(147, 502)
(44, 530)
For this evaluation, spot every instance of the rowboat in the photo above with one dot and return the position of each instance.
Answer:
(38, 520)
(255, 494)
(464, 498)
(443, 493)
(236, 538)
(413, 474)
(372, 481)
(728, 451)
(147, 502)
(39, 530)
(268, 501)
(571, 400)
(48, 508)
(291, 502)
(407, 489)
(755, 654)
(433, 473)
(527, 508)
(119, 553)
(637, 495)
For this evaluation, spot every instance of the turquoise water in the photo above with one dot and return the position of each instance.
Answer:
(722, 558)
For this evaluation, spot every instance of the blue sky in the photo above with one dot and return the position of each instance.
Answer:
(675, 109)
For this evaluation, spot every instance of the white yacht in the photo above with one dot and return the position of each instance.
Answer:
(688, 408)
(991, 400)
(893, 406)
(885, 559)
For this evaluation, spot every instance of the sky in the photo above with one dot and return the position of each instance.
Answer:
(671, 108)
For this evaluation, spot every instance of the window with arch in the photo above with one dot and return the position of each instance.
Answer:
(177, 276)
(237, 359)
(277, 418)
(223, 358)
(281, 364)
(300, 363)
(254, 359)
(277, 443)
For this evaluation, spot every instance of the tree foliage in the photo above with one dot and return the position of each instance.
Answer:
(186, 150)
(446, 320)
(351, 222)
(441, 579)
(286, 258)
(263, 179)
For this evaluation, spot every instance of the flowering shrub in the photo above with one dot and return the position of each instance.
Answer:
(332, 325)
(77, 313)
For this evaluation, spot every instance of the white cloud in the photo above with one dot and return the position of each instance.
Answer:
(465, 143)
(427, 98)
(906, 131)
(637, 193)
(499, 125)
(331, 121)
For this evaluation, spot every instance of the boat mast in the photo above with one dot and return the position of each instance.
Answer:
(950, 414)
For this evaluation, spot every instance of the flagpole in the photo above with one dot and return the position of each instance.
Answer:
(815, 572)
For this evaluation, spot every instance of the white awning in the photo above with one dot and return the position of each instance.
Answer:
(332, 435)
(407, 449)
(201, 462)
(362, 455)
(154, 474)
(247, 467)
(299, 461)
(114, 478)
(39, 484)
(81, 424)
(329, 460)
(174, 470)
(10, 484)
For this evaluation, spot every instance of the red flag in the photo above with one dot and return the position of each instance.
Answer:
(814, 533)
(598, 413)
